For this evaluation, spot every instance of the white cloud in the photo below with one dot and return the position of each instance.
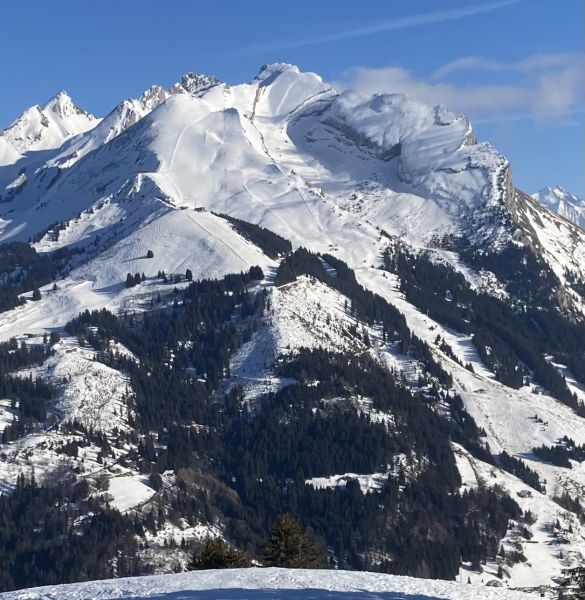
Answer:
(531, 64)
(541, 86)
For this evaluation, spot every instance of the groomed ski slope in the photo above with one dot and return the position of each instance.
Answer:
(268, 584)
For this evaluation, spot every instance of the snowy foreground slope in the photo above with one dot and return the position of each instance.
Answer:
(256, 584)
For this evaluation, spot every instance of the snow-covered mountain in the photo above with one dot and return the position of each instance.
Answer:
(490, 284)
(44, 127)
(285, 584)
(560, 201)
(252, 149)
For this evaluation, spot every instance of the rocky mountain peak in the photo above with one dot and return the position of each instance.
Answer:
(194, 83)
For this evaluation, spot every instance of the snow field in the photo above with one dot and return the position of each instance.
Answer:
(258, 584)
(128, 491)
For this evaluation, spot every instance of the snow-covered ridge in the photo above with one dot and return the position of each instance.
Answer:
(54, 123)
(128, 113)
(256, 584)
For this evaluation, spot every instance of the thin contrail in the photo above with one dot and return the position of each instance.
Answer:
(389, 25)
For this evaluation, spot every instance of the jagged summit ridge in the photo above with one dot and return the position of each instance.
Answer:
(194, 83)
(44, 127)
(63, 106)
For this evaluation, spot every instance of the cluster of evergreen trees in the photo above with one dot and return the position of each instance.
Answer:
(518, 467)
(217, 554)
(511, 338)
(566, 501)
(43, 541)
(301, 262)
(30, 397)
(22, 269)
(54, 229)
(561, 454)
(134, 280)
(270, 243)
(288, 547)
(572, 586)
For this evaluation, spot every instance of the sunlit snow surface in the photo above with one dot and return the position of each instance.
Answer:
(268, 584)
(43, 128)
(129, 491)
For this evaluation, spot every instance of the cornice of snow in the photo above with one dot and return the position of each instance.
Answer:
(268, 70)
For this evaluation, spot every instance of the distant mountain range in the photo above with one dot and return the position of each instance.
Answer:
(559, 200)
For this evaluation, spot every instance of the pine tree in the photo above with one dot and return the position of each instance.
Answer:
(36, 295)
(573, 588)
(256, 274)
(290, 547)
(216, 554)
(156, 482)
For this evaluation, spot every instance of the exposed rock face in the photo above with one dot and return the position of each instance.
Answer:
(194, 83)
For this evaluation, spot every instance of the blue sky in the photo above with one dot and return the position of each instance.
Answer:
(514, 66)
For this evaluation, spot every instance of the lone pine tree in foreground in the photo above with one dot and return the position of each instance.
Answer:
(288, 546)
